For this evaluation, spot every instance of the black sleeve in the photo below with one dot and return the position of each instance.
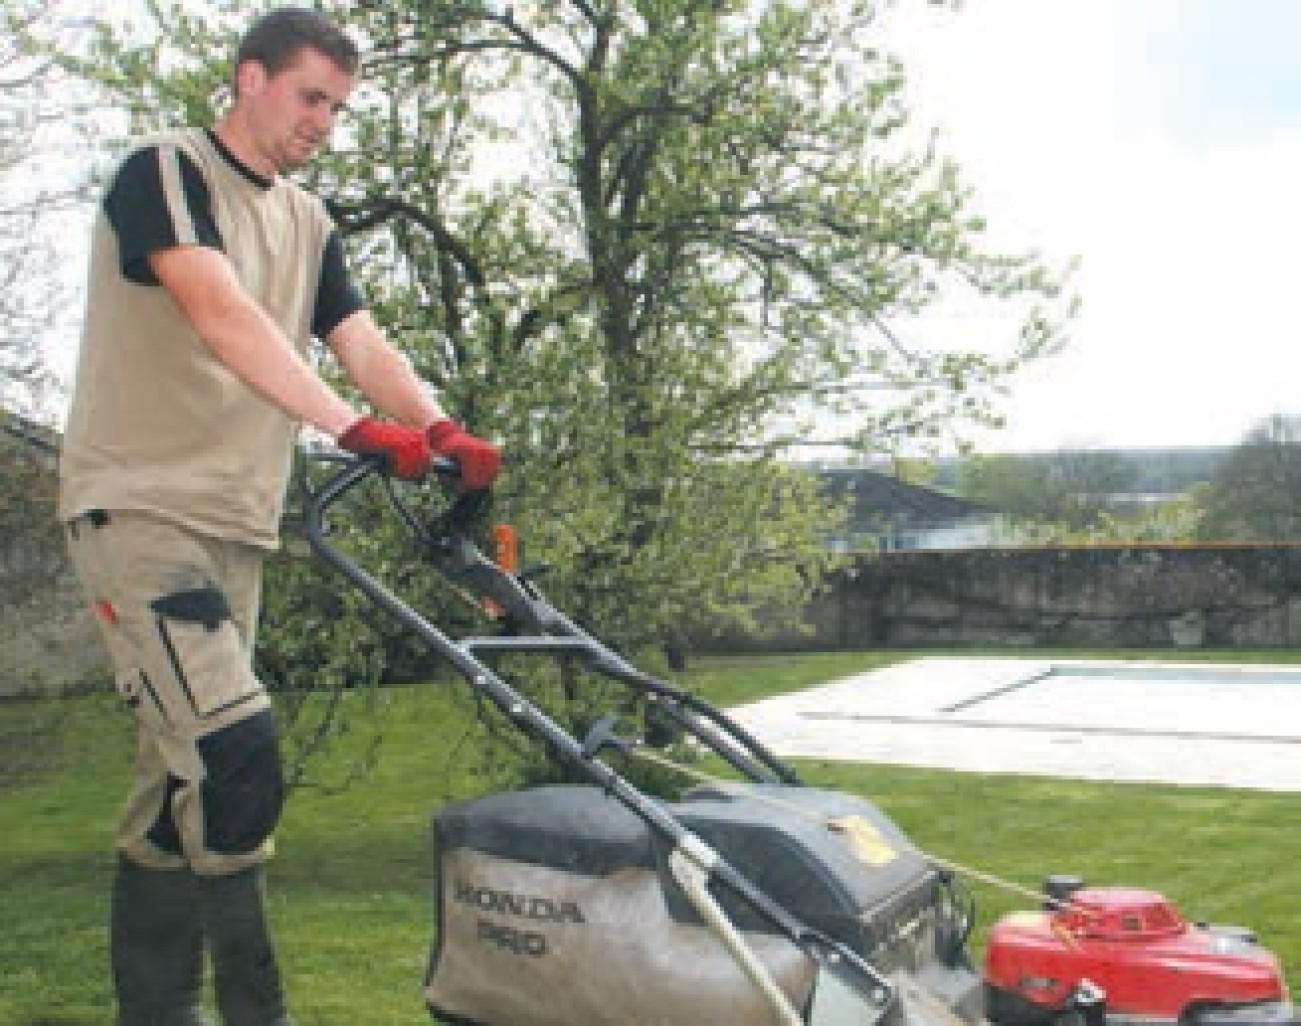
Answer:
(337, 298)
(157, 201)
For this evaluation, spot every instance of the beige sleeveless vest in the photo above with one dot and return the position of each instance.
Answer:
(156, 423)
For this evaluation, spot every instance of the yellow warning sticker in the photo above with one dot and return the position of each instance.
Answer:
(868, 845)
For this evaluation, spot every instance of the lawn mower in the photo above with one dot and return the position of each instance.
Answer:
(758, 901)
(1127, 955)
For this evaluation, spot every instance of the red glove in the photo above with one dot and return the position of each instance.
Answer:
(479, 461)
(405, 448)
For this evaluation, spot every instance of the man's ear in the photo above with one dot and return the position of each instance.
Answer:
(250, 78)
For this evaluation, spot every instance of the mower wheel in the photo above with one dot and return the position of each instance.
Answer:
(1007, 1008)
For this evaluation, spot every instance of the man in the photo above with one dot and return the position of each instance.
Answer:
(209, 273)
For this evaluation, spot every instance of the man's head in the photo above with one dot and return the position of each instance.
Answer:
(277, 38)
(293, 71)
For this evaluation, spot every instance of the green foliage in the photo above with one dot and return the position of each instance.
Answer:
(1169, 520)
(1061, 496)
(161, 66)
(1091, 496)
(650, 247)
(1252, 496)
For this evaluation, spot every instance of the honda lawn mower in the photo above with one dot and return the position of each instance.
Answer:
(759, 901)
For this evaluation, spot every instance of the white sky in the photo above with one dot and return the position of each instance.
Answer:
(1159, 141)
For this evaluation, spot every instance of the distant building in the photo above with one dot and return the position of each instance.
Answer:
(889, 515)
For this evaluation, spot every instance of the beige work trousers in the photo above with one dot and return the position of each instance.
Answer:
(185, 678)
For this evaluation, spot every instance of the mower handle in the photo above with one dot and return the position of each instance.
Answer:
(353, 470)
(545, 629)
(458, 555)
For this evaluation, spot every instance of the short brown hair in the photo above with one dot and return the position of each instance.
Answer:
(276, 38)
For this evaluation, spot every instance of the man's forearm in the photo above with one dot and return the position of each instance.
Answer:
(268, 365)
(382, 373)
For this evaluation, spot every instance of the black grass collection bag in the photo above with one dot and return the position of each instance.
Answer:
(556, 905)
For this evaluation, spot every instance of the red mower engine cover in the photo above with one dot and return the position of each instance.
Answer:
(1136, 947)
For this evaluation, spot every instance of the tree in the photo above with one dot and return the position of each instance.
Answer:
(652, 245)
(1253, 493)
(40, 181)
(718, 239)
(1052, 494)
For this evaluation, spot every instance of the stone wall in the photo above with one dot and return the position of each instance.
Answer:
(48, 639)
(1246, 596)
(1100, 597)
(49, 643)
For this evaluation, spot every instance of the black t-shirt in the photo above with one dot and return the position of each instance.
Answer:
(136, 207)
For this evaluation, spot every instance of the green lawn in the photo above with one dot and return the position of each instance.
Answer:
(350, 889)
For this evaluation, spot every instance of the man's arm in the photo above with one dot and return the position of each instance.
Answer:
(241, 335)
(382, 372)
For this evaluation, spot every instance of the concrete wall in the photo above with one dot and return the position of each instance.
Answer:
(1106, 597)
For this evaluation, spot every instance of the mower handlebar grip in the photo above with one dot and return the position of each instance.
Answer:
(352, 471)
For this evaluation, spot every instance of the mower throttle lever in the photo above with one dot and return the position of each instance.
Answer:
(466, 510)
(602, 735)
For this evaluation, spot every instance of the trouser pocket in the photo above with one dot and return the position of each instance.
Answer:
(202, 656)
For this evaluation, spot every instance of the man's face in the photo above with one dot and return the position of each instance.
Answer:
(292, 113)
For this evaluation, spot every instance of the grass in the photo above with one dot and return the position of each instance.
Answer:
(350, 890)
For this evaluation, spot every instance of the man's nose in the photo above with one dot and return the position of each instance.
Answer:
(323, 119)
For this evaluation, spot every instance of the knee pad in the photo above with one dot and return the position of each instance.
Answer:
(243, 790)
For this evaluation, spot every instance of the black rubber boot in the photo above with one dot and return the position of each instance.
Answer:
(245, 972)
(156, 947)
